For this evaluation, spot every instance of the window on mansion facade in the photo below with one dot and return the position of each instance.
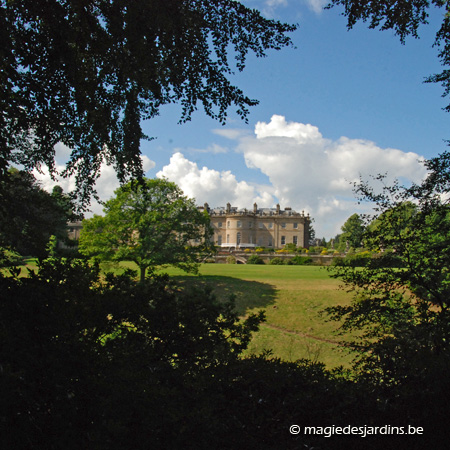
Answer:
(283, 240)
(295, 240)
(295, 225)
(219, 240)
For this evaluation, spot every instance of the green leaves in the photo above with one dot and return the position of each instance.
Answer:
(151, 223)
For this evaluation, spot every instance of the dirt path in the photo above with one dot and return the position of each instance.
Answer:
(298, 333)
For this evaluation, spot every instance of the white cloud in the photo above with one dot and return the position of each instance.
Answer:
(211, 186)
(310, 172)
(215, 149)
(230, 133)
(306, 172)
(271, 5)
(105, 185)
(317, 5)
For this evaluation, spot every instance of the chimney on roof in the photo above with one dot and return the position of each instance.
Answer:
(278, 208)
(255, 208)
(228, 207)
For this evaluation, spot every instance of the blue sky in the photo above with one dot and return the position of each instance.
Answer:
(341, 104)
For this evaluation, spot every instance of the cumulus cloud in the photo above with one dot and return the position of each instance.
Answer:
(213, 187)
(306, 171)
(105, 186)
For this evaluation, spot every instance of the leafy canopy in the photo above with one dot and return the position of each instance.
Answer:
(152, 224)
(352, 231)
(86, 73)
(402, 296)
(29, 215)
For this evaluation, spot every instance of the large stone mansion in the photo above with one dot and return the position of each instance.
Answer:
(260, 227)
(241, 228)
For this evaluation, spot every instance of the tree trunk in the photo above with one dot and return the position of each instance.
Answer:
(142, 275)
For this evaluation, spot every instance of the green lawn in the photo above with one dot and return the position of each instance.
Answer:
(293, 298)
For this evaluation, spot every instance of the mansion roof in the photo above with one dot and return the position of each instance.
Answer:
(234, 211)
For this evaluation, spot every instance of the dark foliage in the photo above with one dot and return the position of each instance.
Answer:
(115, 364)
(29, 215)
(86, 73)
(401, 300)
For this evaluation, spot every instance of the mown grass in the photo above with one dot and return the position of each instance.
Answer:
(293, 297)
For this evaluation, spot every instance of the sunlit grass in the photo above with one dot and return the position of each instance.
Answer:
(293, 297)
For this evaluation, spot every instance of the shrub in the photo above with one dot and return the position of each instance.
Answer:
(87, 359)
(301, 260)
(255, 259)
(276, 261)
(231, 259)
(9, 258)
(291, 248)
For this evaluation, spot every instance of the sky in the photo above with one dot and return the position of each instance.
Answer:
(340, 105)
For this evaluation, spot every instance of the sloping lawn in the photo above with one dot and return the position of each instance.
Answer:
(293, 298)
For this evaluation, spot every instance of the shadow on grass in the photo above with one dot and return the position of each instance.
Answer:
(249, 294)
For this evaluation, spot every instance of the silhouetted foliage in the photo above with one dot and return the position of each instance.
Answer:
(86, 74)
(401, 300)
(29, 215)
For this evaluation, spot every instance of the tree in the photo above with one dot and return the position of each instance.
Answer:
(28, 215)
(152, 224)
(401, 298)
(352, 232)
(404, 17)
(87, 73)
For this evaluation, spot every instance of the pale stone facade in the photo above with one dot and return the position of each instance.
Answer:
(261, 227)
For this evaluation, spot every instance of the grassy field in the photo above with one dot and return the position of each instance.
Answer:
(293, 298)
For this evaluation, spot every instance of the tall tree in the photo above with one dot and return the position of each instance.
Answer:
(352, 231)
(86, 73)
(401, 297)
(152, 224)
(28, 214)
